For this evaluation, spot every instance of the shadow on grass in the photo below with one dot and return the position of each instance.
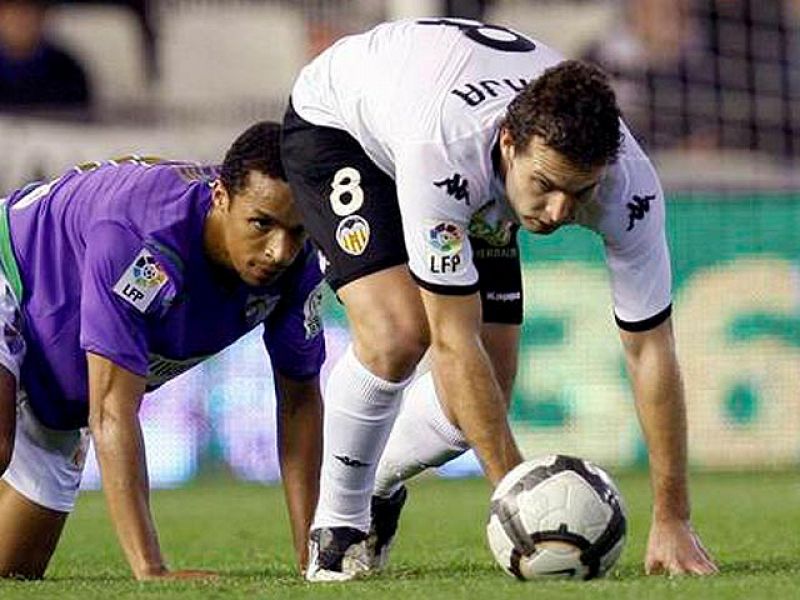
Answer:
(282, 575)
(773, 566)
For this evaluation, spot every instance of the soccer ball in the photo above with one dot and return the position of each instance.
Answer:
(556, 516)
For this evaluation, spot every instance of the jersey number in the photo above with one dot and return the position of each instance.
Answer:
(346, 195)
(487, 35)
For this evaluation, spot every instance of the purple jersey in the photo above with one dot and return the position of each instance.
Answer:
(111, 261)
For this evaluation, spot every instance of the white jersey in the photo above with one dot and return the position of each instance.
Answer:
(425, 100)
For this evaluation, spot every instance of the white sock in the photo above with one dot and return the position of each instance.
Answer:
(360, 409)
(422, 437)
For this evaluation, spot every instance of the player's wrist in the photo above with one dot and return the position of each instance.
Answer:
(670, 513)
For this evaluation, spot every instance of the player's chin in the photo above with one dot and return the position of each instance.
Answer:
(539, 228)
(257, 278)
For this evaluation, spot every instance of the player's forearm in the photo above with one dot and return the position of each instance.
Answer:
(121, 456)
(300, 455)
(658, 389)
(8, 417)
(475, 401)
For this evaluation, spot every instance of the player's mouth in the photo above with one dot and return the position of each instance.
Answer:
(535, 225)
(265, 274)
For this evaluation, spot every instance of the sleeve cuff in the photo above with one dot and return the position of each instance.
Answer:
(447, 290)
(646, 324)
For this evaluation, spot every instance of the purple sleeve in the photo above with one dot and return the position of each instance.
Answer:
(293, 334)
(123, 285)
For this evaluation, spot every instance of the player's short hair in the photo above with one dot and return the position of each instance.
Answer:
(257, 149)
(574, 109)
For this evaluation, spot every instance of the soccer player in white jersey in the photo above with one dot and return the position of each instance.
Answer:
(415, 151)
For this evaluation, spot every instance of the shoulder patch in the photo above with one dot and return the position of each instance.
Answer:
(141, 281)
(312, 312)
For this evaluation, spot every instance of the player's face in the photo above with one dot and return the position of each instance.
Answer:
(543, 187)
(261, 231)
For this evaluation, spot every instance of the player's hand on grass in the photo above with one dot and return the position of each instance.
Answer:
(675, 549)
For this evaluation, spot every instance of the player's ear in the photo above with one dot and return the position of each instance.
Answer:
(219, 196)
(507, 148)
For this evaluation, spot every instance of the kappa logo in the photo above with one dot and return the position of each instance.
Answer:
(455, 186)
(350, 462)
(638, 209)
(352, 235)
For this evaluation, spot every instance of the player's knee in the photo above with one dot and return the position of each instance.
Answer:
(392, 351)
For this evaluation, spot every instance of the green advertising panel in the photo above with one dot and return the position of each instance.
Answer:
(736, 289)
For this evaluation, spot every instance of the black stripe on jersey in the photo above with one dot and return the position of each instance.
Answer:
(447, 290)
(647, 324)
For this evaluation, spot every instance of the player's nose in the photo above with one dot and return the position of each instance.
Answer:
(282, 248)
(559, 207)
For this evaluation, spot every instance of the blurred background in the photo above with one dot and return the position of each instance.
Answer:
(710, 87)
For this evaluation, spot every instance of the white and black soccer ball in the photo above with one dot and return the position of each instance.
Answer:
(556, 516)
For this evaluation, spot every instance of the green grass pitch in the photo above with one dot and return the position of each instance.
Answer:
(750, 522)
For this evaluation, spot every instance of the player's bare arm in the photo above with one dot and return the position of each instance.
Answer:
(465, 376)
(115, 395)
(673, 546)
(501, 342)
(300, 453)
(8, 420)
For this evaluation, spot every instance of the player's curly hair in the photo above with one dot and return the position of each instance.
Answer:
(257, 149)
(574, 109)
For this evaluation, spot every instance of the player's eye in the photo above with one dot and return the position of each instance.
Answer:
(262, 224)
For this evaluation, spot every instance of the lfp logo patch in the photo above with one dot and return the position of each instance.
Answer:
(352, 235)
(446, 238)
(147, 272)
(141, 281)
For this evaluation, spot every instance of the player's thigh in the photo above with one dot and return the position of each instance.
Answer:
(387, 322)
(29, 534)
(37, 492)
(350, 209)
(497, 261)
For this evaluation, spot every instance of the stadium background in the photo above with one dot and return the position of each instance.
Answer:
(712, 88)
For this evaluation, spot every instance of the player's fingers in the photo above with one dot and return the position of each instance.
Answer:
(707, 566)
(705, 552)
(696, 565)
(653, 566)
(704, 560)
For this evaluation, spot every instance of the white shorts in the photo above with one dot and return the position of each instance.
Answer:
(47, 464)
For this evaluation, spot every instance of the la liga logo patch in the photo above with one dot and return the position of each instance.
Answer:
(446, 237)
(141, 281)
(352, 235)
(147, 272)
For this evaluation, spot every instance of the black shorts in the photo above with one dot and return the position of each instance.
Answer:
(350, 210)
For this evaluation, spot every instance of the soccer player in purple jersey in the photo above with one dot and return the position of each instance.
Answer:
(115, 278)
